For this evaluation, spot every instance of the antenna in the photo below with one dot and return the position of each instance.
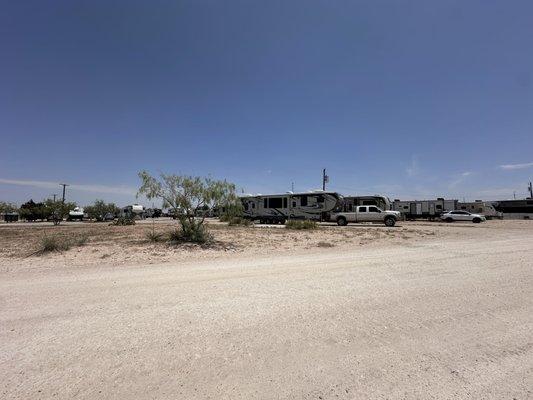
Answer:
(530, 188)
(325, 179)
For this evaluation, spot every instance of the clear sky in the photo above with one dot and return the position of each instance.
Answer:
(411, 99)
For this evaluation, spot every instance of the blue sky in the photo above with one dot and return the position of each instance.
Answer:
(411, 99)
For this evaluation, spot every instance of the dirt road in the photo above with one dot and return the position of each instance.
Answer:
(437, 319)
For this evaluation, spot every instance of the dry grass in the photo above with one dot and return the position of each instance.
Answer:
(143, 243)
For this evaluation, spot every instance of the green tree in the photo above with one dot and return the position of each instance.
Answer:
(56, 210)
(32, 211)
(6, 207)
(99, 209)
(186, 196)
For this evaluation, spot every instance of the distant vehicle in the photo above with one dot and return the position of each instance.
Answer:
(108, 217)
(366, 214)
(278, 208)
(459, 215)
(134, 211)
(76, 214)
(426, 209)
(153, 213)
(11, 216)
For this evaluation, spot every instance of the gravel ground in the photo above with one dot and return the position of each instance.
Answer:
(448, 315)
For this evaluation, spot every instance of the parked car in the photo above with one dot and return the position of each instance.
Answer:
(457, 215)
(366, 214)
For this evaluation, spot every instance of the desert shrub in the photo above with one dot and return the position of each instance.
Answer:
(123, 221)
(50, 244)
(325, 244)
(239, 221)
(191, 233)
(300, 224)
(154, 236)
(191, 199)
(80, 240)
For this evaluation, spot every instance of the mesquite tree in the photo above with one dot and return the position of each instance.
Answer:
(186, 196)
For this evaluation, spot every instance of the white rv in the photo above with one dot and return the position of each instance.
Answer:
(277, 208)
(429, 209)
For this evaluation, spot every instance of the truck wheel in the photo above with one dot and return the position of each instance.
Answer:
(476, 220)
(390, 222)
(341, 221)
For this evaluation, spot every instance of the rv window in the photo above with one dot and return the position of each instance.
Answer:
(245, 206)
(303, 201)
(275, 202)
(320, 199)
(362, 209)
(265, 205)
(463, 208)
(406, 207)
(438, 207)
(293, 203)
(284, 202)
(253, 205)
(369, 202)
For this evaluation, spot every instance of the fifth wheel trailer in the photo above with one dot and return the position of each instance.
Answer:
(277, 208)
(428, 209)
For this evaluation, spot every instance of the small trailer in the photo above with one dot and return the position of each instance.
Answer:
(423, 209)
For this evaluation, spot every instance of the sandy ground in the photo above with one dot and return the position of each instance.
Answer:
(424, 311)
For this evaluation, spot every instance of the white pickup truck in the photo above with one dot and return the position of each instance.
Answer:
(366, 214)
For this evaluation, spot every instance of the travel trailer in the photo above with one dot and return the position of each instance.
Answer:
(515, 209)
(76, 215)
(480, 207)
(428, 209)
(277, 208)
(134, 211)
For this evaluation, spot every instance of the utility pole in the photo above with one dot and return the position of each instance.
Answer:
(54, 197)
(530, 188)
(514, 194)
(64, 186)
(325, 179)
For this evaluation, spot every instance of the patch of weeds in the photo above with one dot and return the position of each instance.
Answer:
(154, 237)
(123, 221)
(239, 221)
(300, 224)
(50, 244)
(325, 244)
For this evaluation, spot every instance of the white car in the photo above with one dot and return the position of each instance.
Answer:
(451, 216)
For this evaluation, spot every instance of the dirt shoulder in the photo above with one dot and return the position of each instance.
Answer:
(102, 244)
